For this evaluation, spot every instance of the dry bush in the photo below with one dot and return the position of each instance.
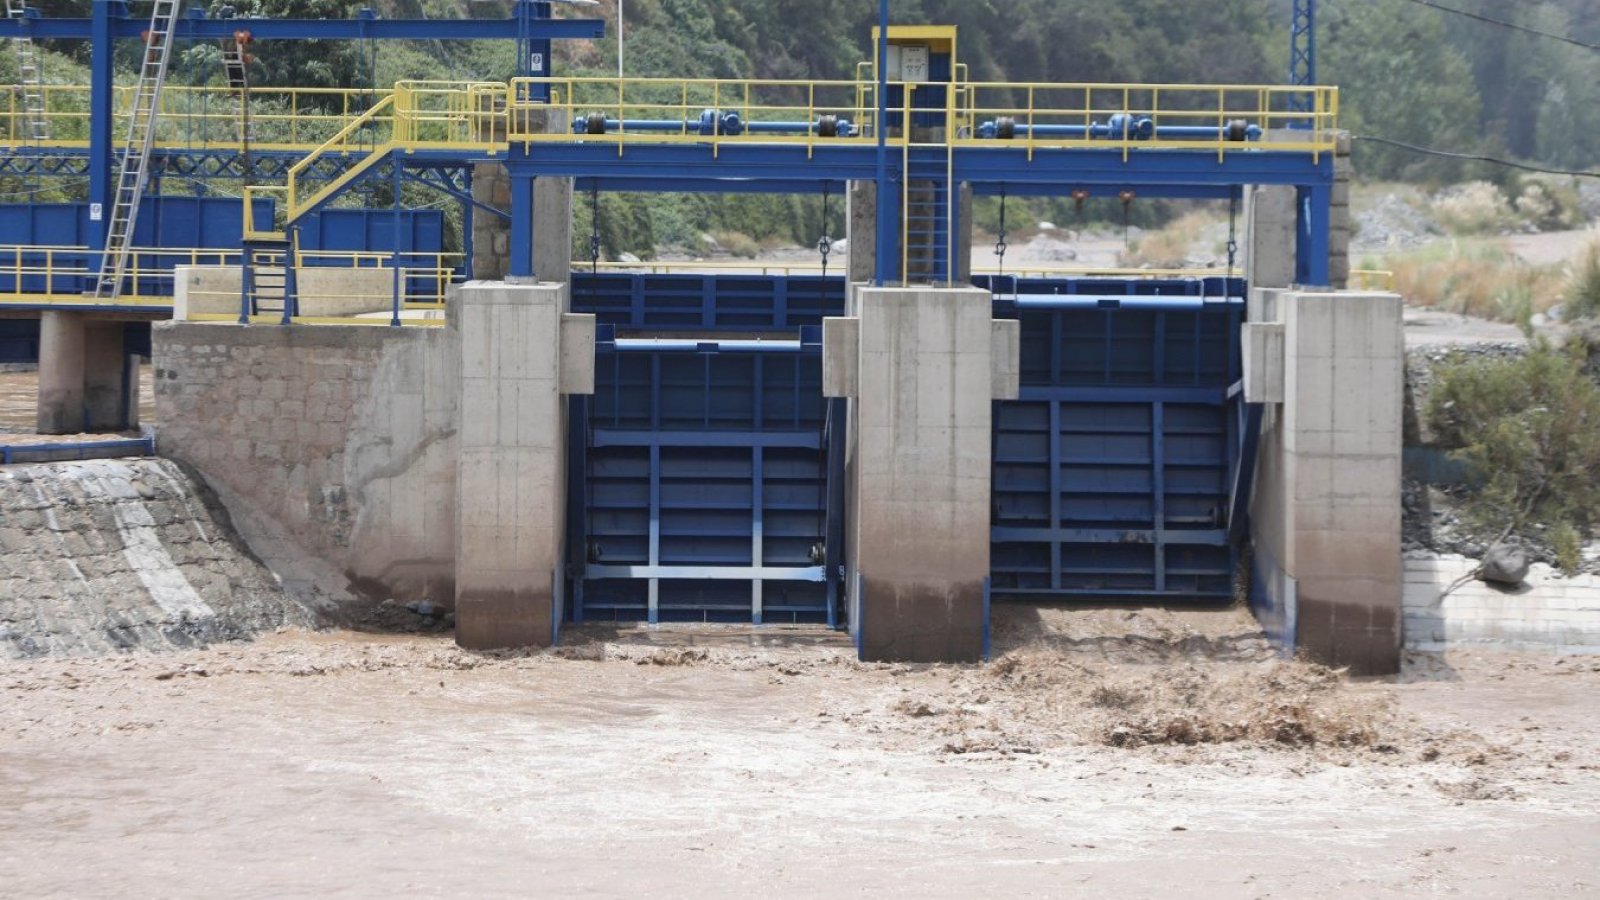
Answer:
(737, 243)
(1476, 278)
(1473, 208)
(1172, 246)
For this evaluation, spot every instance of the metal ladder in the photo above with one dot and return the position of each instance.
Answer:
(136, 150)
(235, 65)
(30, 78)
(925, 230)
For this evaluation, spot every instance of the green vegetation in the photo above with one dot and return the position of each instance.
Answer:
(1529, 427)
(1583, 298)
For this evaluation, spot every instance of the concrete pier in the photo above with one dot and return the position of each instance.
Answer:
(86, 381)
(1325, 517)
(521, 352)
(61, 384)
(921, 366)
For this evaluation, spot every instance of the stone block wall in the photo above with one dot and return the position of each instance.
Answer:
(334, 445)
(1548, 612)
(491, 235)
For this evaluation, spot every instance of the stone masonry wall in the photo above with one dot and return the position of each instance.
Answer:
(1548, 612)
(340, 439)
(491, 235)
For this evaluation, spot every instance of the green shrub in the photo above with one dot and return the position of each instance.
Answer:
(1583, 298)
(1529, 428)
(1569, 548)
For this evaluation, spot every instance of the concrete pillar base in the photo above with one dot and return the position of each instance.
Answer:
(1325, 515)
(105, 372)
(921, 366)
(61, 384)
(520, 353)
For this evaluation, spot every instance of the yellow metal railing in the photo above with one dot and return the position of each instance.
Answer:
(1371, 280)
(57, 273)
(674, 108)
(1038, 110)
(486, 115)
(197, 117)
(449, 114)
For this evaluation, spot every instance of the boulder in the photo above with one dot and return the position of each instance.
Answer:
(1504, 565)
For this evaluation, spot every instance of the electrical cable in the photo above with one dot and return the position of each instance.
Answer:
(1473, 157)
(1489, 20)
(28, 192)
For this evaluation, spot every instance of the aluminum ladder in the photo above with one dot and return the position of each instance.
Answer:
(135, 170)
(235, 65)
(30, 78)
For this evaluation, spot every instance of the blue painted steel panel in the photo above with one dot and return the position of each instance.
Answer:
(681, 301)
(372, 230)
(703, 487)
(1112, 473)
(19, 340)
(186, 222)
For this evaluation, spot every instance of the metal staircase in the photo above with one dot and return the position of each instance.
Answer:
(268, 278)
(30, 79)
(135, 173)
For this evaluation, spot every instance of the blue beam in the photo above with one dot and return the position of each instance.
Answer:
(195, 29)
(661, 184)
(1108, 191)
(1204, 538)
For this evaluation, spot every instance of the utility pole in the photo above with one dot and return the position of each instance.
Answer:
(1303, 51)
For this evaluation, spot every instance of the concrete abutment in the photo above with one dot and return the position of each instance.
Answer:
(87, 380)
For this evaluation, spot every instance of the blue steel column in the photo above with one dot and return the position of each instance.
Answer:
(1313, 221)
(881, 207)
(521, 227)
(100, 142)
(396, 173)
(467, 208)
(528, 46)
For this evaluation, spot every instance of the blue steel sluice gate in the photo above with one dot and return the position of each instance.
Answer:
(707, 474)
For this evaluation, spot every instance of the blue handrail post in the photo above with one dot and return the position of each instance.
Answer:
(881, 218)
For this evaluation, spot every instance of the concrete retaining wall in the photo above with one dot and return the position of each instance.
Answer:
(1548, 612)
(334, 446)
(323, 290)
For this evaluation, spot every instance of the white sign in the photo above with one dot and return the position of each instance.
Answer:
(536, 62)
(94, 212)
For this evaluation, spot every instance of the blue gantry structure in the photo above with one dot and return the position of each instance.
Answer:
(706, 470)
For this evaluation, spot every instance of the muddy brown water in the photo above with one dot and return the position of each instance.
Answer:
(19, 394)
(334, 764)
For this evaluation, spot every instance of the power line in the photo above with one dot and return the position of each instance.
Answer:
(1471, 157)
(1489, 20)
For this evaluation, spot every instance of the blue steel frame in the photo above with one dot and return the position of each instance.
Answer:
(531, 26)
(746, 168)
(1118, 471)
(703, 479)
